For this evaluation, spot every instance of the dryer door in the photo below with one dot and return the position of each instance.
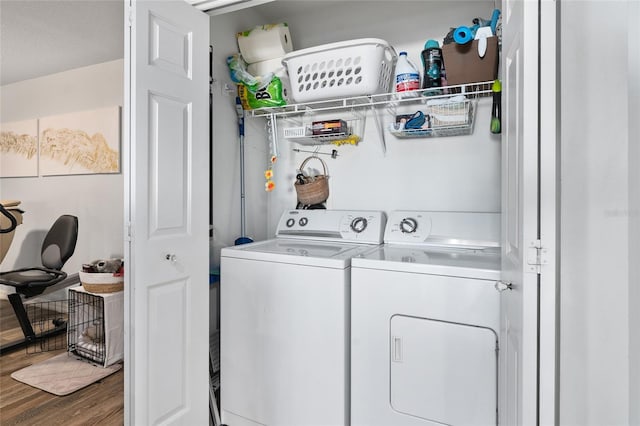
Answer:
(443, 372)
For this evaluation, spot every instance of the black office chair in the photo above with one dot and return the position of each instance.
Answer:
(58, 246)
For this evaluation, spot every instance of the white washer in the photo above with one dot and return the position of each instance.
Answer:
(425, 322)
(285, 319)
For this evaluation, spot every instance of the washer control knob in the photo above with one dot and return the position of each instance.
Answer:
(408, 225)
(290, 223)
(359, 224)
(303, 221)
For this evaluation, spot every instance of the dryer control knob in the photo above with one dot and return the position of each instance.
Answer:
(303, 221)
(408, 225)
(290, 223)
(359, 224)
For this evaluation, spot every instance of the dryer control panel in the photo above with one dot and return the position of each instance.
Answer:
(357, 226)
(445, 229)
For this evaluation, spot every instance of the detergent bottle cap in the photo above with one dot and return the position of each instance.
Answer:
(431, 43)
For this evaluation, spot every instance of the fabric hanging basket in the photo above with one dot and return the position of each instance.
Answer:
(312, 189)
(101, 282)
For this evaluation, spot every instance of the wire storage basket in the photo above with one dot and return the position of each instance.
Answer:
(337, 70)
(442, 119)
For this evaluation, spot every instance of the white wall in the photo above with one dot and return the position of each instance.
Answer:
(600, 187)
(453, 173)
(97, 200)
(225, 148)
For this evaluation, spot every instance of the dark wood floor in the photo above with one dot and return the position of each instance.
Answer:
(101, 403)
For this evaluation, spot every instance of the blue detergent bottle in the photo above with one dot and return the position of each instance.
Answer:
(432, 63)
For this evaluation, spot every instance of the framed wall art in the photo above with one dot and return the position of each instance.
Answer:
(78, 143)
(19, 149)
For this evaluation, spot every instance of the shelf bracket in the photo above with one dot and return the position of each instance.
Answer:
(383, 141)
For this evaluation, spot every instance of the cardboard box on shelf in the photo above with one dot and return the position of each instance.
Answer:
(464, 65)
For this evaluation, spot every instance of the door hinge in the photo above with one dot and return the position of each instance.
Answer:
(130, 16)
(536, 256)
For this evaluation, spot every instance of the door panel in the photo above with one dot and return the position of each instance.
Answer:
(167, 152)
(170, 143)
(166, 389)
(170, 46)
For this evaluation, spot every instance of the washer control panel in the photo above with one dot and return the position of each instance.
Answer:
(407, 227)
(333, 225)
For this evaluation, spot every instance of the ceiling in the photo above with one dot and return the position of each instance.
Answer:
(44, 37)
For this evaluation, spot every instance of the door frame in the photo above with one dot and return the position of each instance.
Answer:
(549, 211)
(549, 281)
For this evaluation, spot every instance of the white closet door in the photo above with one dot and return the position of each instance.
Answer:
(519, 306)
(166, 167)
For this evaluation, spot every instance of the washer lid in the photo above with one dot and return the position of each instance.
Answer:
(302, 252)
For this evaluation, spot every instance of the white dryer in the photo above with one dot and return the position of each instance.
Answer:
(425, 322)
(285, 312)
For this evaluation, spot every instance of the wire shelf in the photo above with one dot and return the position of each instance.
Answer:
(415, 97)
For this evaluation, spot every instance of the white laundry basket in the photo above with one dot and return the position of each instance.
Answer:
(340, 70)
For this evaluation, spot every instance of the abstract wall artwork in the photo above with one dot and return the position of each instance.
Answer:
(19, 148)
(80, 143)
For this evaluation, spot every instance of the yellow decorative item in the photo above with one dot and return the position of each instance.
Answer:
(269, 186)
(268, 174)
(351, 140)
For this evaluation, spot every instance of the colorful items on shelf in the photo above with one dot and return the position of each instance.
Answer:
(257, 69)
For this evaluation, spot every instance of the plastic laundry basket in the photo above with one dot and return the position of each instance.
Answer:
(339, 70)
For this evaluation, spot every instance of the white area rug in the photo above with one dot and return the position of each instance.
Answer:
(63, 374)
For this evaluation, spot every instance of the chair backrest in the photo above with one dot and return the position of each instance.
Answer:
(60, 242)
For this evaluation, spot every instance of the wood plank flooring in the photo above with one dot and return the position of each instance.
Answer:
(101, 403)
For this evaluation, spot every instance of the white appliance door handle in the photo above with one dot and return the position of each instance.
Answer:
(396, 349)
(502, 286)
